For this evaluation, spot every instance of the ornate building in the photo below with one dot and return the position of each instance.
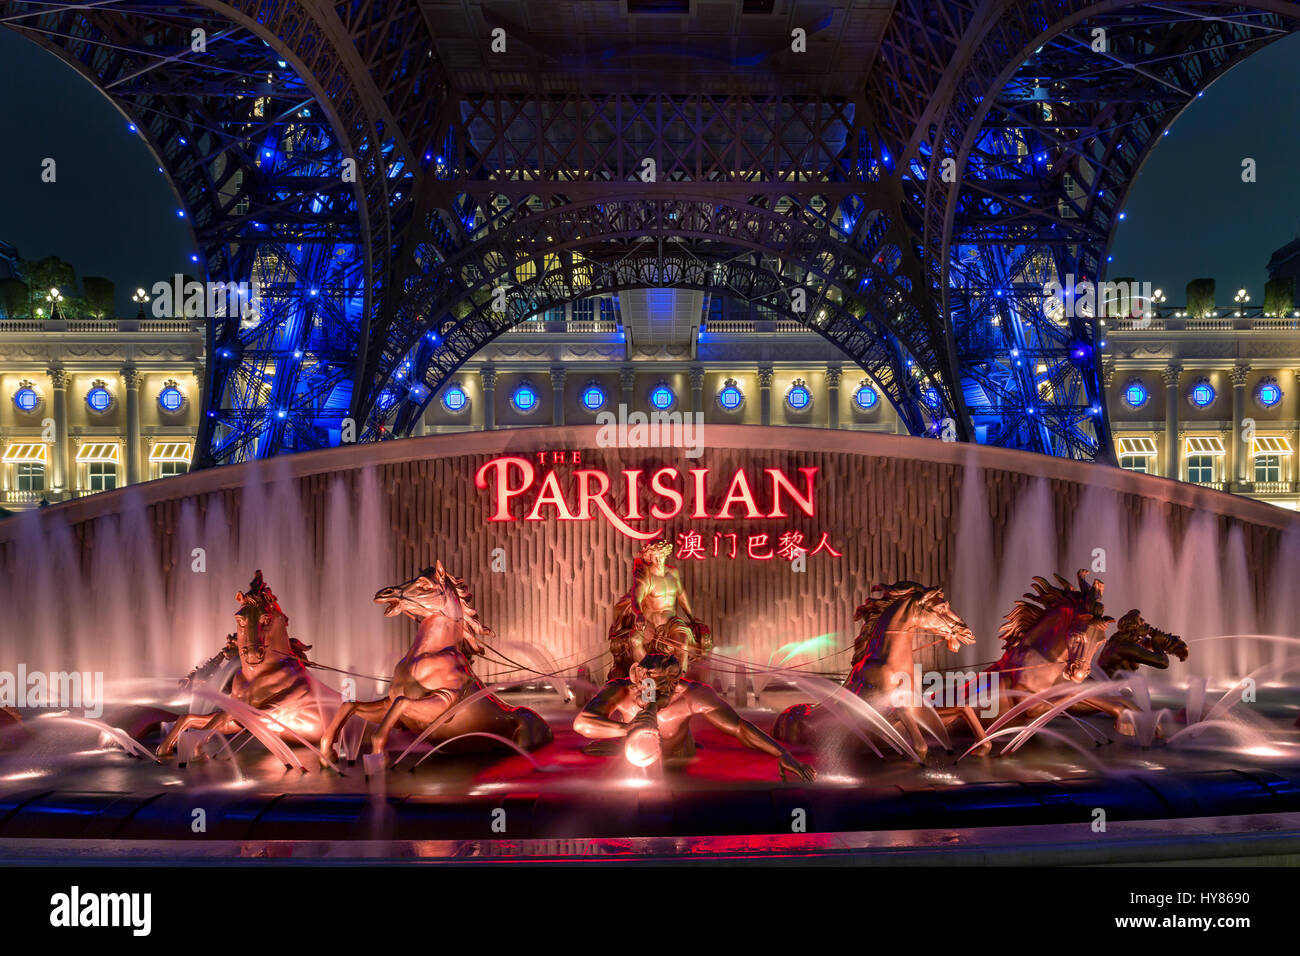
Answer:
(92, 405)
(1209, 400)
(666, 351)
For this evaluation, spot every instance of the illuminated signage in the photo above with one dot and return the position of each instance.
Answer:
(539, 492)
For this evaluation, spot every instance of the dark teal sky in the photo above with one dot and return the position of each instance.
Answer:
(1189, 215)
(110, 212)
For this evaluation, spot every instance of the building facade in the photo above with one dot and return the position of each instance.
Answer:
(92, 405)
(1210, 400)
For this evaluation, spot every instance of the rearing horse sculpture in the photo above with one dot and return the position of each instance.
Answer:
(884, 661)
(272, 676)
(435, 674)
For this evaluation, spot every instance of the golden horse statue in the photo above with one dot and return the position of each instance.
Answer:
(272, 678)
(435, 675)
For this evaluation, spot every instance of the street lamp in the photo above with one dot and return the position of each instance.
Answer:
(1241, 298)
(140, 298)
(54, 298)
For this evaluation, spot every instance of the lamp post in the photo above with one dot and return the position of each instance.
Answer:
(140, 298)
(1241, 298)
(54, 298)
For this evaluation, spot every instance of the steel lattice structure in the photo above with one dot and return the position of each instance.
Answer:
(908, 198)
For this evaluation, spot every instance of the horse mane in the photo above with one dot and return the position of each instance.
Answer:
(469, 614)
(1029, 610)
(871, 612)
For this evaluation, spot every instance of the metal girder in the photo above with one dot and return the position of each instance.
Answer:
(987, 154)
(1047, 130)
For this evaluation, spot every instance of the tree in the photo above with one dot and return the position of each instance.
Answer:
(14, 299)
(42, 275)
(1279, 296)
(1200, 298)
(100, 295)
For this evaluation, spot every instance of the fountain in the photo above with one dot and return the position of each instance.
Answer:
(134, 586)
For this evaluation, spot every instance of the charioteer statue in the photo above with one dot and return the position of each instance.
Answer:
(655, 616)
(648, 716)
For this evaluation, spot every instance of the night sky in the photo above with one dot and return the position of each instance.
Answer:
(112, 214)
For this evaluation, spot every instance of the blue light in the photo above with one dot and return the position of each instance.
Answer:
(26, 399)
(131, 127)
(866, 398)
(1123, 216)
(524, 398)
(730, 398)
(280, 413)
(184, 141)
(932, 397)
(170, 399)
(98, 399)
(593, 397)
(799, 398)
(1202, 395)
(1136, 395)
(662, 397)
(194, 257)
(455, 399)
(180, 213)
(1269, 395)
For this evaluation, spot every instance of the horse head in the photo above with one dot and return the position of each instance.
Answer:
(260, 624)
(433, 593)
(1060, 621)
(906, 606)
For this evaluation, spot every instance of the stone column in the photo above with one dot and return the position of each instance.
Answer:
(697, 389)
(627, 378)
(488, 378)
(833, 373)
(558, 375)
(1173, 453)
(73, 452)
(1241, 456)
(765, 393)
(132, 378)
(62, 450)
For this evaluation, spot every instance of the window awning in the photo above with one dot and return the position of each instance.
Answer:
(171, 451)
(99, 451)
(33, 451)
(1270, 445)
(1203, 445)
(1137, 447)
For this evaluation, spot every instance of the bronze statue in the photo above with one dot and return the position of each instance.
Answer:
(655, 616)
(272, 676)
(648, 714)
(1051, 635)
(435, 674)
(884, 671)
(1135, 642)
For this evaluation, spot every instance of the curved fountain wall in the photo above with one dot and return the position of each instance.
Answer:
(141, 581)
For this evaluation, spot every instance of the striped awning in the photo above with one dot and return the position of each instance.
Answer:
(171, 451)
(99, 451)
(1137, 447)
(1203, 445)
(1270, 445)
(26, 451)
